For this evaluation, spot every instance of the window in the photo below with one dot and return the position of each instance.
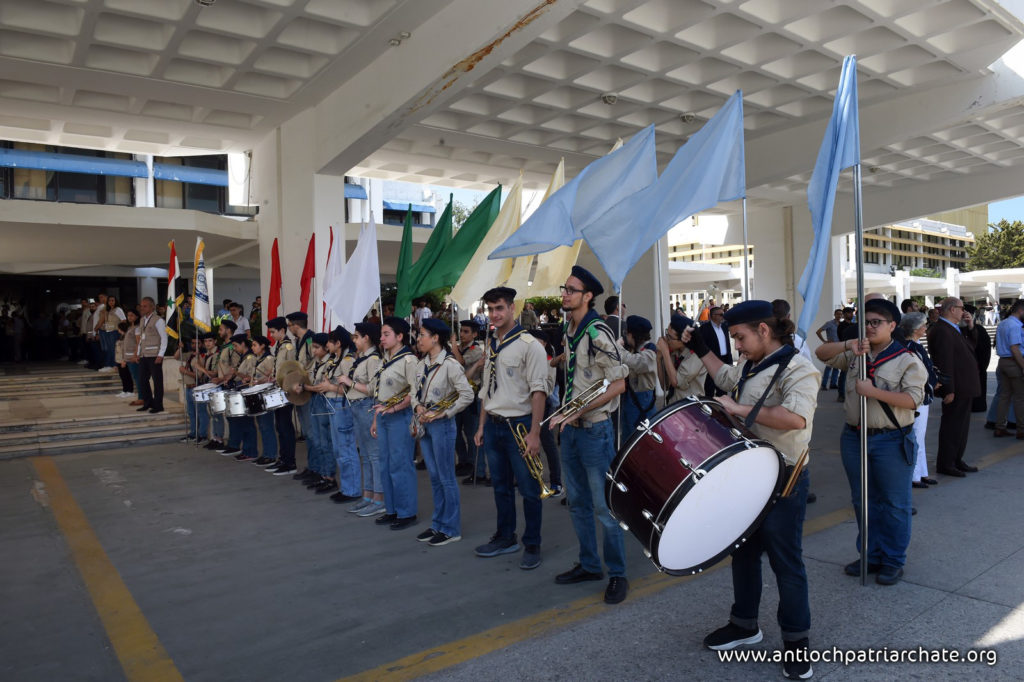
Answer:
(79, 188)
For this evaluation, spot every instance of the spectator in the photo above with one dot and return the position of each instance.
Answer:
(241, 322)
(982, 356)
(913, 326)
(1010, 370)
(131, 354)
(830, 379)
(613, 316)
(127, 385)
(110, 317)
(256, 316)
(528, 319)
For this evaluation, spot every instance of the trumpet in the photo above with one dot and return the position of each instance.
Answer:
(440, 406)
(577, 404)
(393, 400)
(533, 462)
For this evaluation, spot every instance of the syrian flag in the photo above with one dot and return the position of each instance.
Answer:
(172, 301)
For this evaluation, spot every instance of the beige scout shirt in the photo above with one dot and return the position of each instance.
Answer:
(796, 390)
(265, 369)
(446, 377)
(227, 359)
(905, 373)
(188, 361)
(471, 356)
(390, 380)
(210, 363)
(690, 377)
(246, 366)
(643, 368)
(337, 369)
(362, 373)
(592, 368)
(283, 352)
(521, 370)
(304, 352)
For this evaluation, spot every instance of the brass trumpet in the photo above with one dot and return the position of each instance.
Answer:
(533, 462)
(415, 427)
(577, 404)
(393, 400)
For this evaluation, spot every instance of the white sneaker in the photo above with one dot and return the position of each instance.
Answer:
(105, 370)
(83, 362)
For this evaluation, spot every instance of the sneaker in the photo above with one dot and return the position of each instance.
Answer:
(326, 486)
(403, 522)
(889, 575)
(201, 442)
(242, 457)
(304, 475)
(185, 439)
(214, 445)
(312, 483)
(426, 535)
(556, 491)
(372, 509)
(576, 574)
(531, 558)
(796, 665)
(230, 452)
(498, 546)
(386, 519)
(285, 470)
(442, 539)
(341, 498)
(732, 636)
(360, 505)
(618, 588)
(853, 568)
(264, 461)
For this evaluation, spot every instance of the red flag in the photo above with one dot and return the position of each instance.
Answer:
(274, 295)
(308, 273)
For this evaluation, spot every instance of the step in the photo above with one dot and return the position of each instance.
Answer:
(125, 420)
(86, 445)
(28, 383)
(31, 392)
(79, 432)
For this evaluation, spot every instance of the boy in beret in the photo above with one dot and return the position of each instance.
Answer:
(640, 355)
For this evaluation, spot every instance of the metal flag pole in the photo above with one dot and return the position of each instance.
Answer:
(862, 373)
(746, 256)
(618, 412)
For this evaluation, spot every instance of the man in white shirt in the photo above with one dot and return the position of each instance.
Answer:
(421, 313)
(241, 322)
(152, 336)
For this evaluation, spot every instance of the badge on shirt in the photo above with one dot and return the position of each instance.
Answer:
(509, 371)
(588, 374)
(436, 392)
(389, 382)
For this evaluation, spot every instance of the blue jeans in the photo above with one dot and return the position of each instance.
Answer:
(780, 536)
(343, 438)
(631, 414)
(198, 417)
(268, 436)
(547, 441)
(320, 446)
(369, 454)
(285, 434)
(218, 425)
(889, 504)
(438, 448)
(234, 431)
(830, 378)
(108, 344)
(398, 473)
(245, 428)
(508, 470)
(586, 455)
(465, 428)
(133, 369)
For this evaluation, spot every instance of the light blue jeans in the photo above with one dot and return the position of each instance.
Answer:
(398, 473)
(586, 456)
(319, 442)
(198, 419)
(438, 447)
(369, 454)
(343, 440)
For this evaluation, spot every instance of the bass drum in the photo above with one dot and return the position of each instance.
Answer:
(692, 484)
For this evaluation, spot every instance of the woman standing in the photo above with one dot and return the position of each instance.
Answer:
(131, 353)
(244, 426)
(391, 386)
(342, 425)
(110, 317)
(442, 391)
(319, 443)
(358, 379)
(914, 326)
(264, 372)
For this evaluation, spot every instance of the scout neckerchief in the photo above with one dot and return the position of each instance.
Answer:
(428, 370)
(783, 355)
(495, 349)
(360, 360)
(266, 354)
(405, 351)
(893, 350)
(586, 327)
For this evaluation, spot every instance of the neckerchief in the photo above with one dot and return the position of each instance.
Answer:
(749, 370)
(427, 371)
(405, 351)
(893, 350)
(495, 349)
(360, 360)
(572, 343)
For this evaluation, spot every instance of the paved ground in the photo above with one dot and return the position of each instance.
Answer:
(244, 576)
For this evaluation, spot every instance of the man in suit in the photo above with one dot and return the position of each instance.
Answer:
(952, 350)
(716, 337)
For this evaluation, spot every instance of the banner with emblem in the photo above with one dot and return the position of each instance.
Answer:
(201, 312)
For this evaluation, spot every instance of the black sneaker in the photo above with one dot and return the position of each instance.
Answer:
(341, 498)
(326, 486)
(498, 546)
(304, 475)
(426, 535)
(385, 519)
(442, 539)
(402, 522)
(853, 568)
(264, 461)
(311, 483)
(531, 558)
(213, 445)
(230, 452)
(284, 469)
(186, 439)
(795, 664)
(576, 574)
(618, 588)
(732, 636)
(889, 575)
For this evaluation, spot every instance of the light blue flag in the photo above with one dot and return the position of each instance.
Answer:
(839, 149)
(706, 170)
(602, 184)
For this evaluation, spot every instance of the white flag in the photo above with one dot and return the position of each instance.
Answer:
(352, 294)
(201, 313)
(335, 259)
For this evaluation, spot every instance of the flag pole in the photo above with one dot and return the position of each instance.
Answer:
(858, 214)
(618, 412)
(746, 256)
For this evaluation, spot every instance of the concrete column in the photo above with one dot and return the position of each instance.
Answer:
(147, 287)
(902, 281)
(992, 291)
(952, 282)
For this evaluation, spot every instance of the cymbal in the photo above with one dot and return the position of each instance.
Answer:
(285, 368)
(288, 379)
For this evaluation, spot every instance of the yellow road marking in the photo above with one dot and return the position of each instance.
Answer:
(141, 654)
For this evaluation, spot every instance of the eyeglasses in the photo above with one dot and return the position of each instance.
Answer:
(876, 322)
(570, 290)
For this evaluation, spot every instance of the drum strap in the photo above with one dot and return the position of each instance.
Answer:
(782, 359)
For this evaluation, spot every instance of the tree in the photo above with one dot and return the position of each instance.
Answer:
(460, 212)
(1001, 247)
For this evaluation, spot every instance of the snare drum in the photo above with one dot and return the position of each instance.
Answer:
(236, 403)
(274, 398)
(218, 402)
(253, 397)
(202, 393)
(692, 484)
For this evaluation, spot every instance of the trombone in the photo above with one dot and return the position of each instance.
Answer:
(533, 462)
(577, 404)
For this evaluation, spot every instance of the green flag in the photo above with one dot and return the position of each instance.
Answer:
(440, 238)
(404, 266)
(456, 256)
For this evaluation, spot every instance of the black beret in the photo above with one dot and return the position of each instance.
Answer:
(297, 317)
(262, 340)
(635, 323)
(881, 306)
(239, 338)
(498, 294)
(470, 323)
(749, 311)
(398, 325)
(229, 324)
(680, 323)
(208, 336)
(277, 323)
(590, 283)
(436, 326)
(371, 329)
(320, 339)
(341, 335)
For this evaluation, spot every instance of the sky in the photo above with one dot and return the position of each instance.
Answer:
(1011, 209)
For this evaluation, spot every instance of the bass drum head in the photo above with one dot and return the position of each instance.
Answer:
(720, 510)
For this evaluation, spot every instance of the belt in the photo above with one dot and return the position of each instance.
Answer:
(359, 400)
(879, 432)
(498, 419)
(583, 424)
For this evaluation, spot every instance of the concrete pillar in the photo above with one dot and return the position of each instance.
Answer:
(902, 283)
(992, 292)
(952, 282)
(147, 287)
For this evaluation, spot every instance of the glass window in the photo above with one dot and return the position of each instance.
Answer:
(34, 184)
(203, 197)
(119, 190)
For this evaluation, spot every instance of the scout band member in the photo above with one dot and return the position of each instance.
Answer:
(512, 395)
(227, 367)
(358, 379)
(264, 373)
(785, 384)
(189, 380)
(470, 355)
(248, 449)
(587, 438)
(894, 388)
(438, 376)
(341, 436)
(680, 371)
(207, 343)
(152, 336)
(284, 350)
(319, 445)
(639, 355)
(395, 376)
(209, 372)
(304, 355)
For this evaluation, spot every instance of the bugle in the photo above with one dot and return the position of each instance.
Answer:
(393, 400)
(533, 462)
(577, 404)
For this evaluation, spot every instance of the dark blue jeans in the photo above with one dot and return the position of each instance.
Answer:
(889, 504)
(508, 470)
(781, 538)
(245, 428)
(285, 434)
(265, 425)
